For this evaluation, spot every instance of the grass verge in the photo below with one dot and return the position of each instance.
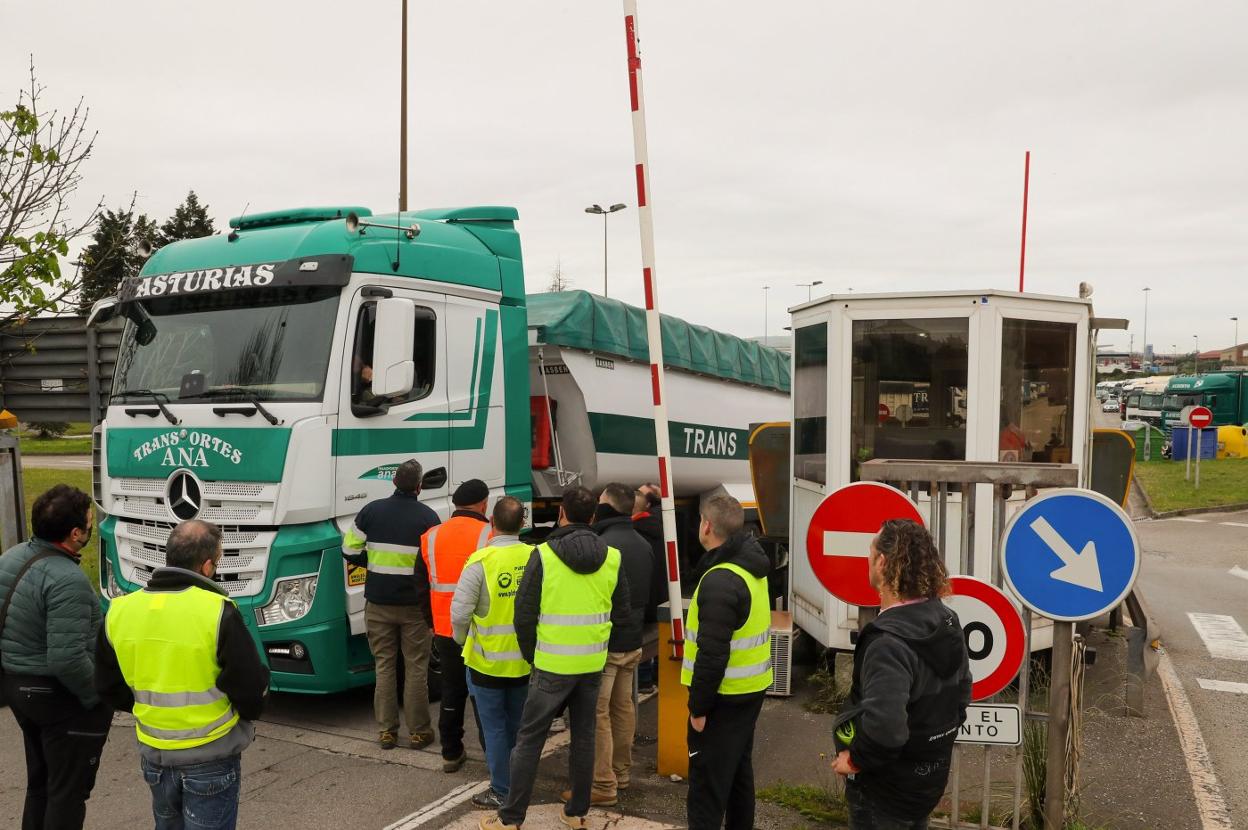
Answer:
(36, 481)
(822, 804)
(56, 446)
(1222, 482)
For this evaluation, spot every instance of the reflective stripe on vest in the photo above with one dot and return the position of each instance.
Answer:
(492, 647)
(575, 621)
(447, 548)
(396, 560)
(166, 645)
(749, 650)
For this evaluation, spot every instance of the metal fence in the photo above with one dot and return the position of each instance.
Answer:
(56, 369)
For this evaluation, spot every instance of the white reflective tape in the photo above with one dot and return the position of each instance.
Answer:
(443, 587)
(181, 734)
(571, 650)
(742, 643)
(574, 619)
(173, 700)
(738, 672)
(392, 570)
(484, 538)
(496, 656)
(495, 630)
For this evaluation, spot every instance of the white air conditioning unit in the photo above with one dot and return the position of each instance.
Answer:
(782, 635)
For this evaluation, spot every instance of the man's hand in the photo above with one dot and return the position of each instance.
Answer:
(842, 765)
(698, 724)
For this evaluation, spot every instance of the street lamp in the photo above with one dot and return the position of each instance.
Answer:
(809, 286)
(1146, 290)
(1235, 342)
(766, 288)
(599, 209)
(1196, 357)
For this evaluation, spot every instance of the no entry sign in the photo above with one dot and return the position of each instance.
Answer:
(1200, 417)
(995, 639)
(838, 540)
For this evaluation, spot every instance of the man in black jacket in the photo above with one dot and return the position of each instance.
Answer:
(721, 721)
(385, 538)
(155, 647)
(648, 522)
(572, 595)
(911, 687)
(617, 717)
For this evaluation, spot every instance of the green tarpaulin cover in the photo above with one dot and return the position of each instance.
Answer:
(581, 320)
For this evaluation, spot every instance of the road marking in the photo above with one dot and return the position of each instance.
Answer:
(1239, 572)
(1186, 519)
(1222, 635)
(1235, 524)
(1214, 814)
(463, 793)
(1223, 686)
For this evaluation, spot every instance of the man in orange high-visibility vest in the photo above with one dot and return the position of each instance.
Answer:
(446, 549)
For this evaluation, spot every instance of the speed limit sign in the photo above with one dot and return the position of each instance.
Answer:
(995, 640)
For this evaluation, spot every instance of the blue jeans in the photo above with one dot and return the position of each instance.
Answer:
(499, 711)
(196, 796)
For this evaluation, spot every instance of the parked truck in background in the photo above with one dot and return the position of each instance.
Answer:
(1225, 393)
(271, 381)
(1144, 401)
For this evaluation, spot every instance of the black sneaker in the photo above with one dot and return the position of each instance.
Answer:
(488, 800)
(454, 764)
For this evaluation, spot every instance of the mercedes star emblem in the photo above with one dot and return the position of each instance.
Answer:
(184, 495)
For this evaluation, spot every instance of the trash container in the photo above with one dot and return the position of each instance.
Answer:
(1156, 439)
(1232, 442)
(1206, 444)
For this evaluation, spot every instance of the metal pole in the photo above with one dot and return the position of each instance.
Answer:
(766, 290)
(1200, 442)
(604, 252)
(1187, 473)
(1022, 256)
(1059, 725)
(1024, 690)
(1146, 290)
(651, 280)
(403, 118)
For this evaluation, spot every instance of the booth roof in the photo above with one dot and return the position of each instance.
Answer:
(581, 320)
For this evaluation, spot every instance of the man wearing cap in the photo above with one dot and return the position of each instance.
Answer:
(445, 550)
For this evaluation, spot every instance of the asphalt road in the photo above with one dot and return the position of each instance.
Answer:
(1199, 566)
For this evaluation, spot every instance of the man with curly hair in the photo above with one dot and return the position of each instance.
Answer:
(911, 687)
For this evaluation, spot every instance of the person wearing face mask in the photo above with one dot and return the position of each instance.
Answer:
(49, 616)
(178, 655)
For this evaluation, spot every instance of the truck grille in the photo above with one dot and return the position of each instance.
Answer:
(141, 549)
(224, 502)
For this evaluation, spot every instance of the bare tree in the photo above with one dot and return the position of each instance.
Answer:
(559, 281)
(40, 153)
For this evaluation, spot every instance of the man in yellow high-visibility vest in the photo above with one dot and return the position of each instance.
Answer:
(727, 667)
(178, 656)
(571, 594)
(483, 616)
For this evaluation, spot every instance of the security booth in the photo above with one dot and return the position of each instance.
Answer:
(985, 376)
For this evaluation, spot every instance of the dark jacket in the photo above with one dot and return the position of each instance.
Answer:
(52, 620)
(911, 687)
(243, 676)
(723, 607)
(400, 519)
(617, 531)
(584, 552)
(650, 527)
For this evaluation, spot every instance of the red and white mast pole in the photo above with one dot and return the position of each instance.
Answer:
(653, 330)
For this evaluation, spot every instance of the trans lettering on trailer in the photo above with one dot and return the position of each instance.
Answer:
(712, 442)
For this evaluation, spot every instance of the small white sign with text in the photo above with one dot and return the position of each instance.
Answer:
(997, 724)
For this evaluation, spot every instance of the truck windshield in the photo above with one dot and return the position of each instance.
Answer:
(1174, 403)
(270, 344)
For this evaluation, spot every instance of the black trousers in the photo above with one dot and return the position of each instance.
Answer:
(63, 744)
(454, 698)
(721, 768)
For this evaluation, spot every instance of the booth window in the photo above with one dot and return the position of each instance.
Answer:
(1037, 383)
(909, 392)
(810, 403)
(363, 401)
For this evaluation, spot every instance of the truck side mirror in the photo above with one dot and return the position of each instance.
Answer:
(394, 341)
(102, 311)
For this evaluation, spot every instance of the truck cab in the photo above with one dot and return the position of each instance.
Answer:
(1225, 393)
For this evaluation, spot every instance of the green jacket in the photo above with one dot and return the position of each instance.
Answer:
(53, 620)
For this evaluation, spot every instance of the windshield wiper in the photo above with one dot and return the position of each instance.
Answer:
(148, 393)
(243, 394)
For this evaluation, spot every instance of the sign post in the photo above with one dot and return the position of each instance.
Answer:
(1069, 555)
(1197, 418)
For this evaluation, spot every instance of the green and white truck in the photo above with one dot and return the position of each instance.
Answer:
(272, 379)
(1225, 393)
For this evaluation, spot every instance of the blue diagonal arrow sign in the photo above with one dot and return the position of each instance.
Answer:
(1070, 554)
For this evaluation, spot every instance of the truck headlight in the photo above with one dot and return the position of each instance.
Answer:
(292, 600)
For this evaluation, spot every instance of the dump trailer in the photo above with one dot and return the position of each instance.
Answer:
(271, 380)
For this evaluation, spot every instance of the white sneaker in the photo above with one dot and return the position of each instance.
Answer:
(559, 724)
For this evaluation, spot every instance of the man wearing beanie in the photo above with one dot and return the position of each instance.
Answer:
(446, 549)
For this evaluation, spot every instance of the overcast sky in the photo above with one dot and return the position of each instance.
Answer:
(873, 146)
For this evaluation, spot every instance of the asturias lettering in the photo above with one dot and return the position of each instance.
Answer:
(209, 279)
(187, 448)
